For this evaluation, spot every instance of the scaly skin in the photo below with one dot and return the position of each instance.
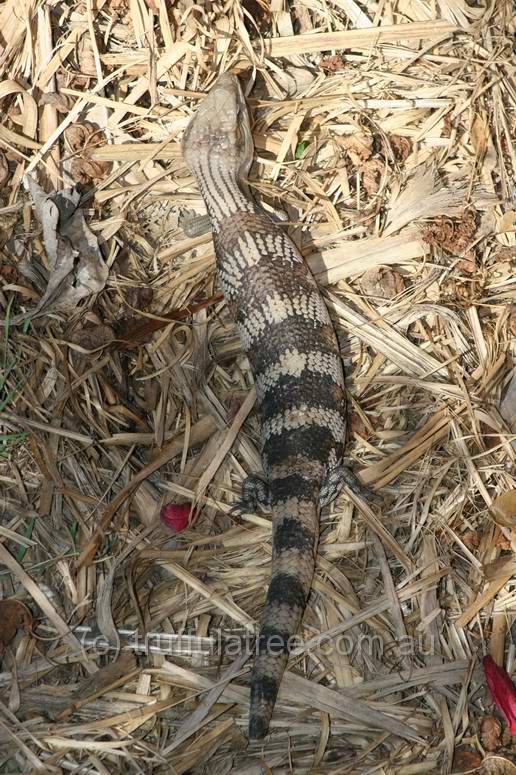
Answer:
(288, 336)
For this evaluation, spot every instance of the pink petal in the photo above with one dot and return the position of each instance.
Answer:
(177, 516)
(502, 690)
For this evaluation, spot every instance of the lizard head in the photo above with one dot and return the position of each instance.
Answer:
(219, 132)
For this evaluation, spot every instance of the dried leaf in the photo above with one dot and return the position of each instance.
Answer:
(508, 402)
(507, 222)
(61, 102)
(4, 170)
(503, 509)
(86, 171)
(490, 733)
(401, 147)
(359, 147)
(454, 236)
(423, 196)
(465, 760)
(371, 176)
(333, 63)
(498, 765)
(76, 265)
(479, 134)
(82, 138)
(472, 539)
(93, 336)
(13, 615)
(103, 611)
(382, 282)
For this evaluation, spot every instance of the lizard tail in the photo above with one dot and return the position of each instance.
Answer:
(294, 543)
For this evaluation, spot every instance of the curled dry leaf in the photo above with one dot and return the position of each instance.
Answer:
(382, 282)
(81, 136)
(467, 265)
(465, 760)
(86, 171)
(61, 102)
(480, 134)
(85, 57)
(139, 297)
(332, 63)
(498, 765)
(93, 337)
(76, 265)
(118, 8)
(9, 274)
(472, 539)
(503, 509)
(359, 147)
(454, 236)
(372, 175)
(13, 615)
(81, 139)
(401, 147)
(490, 733)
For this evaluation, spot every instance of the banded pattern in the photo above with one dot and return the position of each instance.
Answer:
(287, 333)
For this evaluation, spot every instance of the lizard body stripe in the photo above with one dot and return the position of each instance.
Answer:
(293, 485)
(291, 534)
(208, 192)
(263, 697)
(305, 309)
(268, 345)
(300, 417)
(321, 375)
(273, 640)
(286, 589)
(214, 183)
(302, 443)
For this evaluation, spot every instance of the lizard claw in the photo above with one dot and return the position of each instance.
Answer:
(343, 475)
(255, 492)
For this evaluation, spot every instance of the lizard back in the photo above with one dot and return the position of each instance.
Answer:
(287, 334)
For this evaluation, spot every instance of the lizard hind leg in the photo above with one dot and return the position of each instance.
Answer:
(333, 481)
(255, 492)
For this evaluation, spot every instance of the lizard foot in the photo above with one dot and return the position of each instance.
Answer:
(334, 481)
(255, 492)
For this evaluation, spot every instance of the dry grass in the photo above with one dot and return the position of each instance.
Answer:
(385, 137)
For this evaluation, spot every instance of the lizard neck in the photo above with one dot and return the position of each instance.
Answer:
(223, 193)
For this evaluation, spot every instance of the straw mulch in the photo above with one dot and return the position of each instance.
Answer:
(384, 140)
